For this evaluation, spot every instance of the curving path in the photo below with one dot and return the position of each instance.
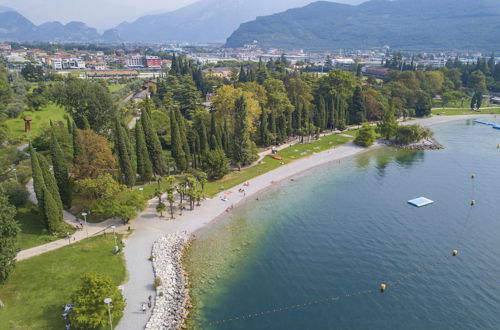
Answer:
(93, 229)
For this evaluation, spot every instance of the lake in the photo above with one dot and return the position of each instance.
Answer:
(346, 228)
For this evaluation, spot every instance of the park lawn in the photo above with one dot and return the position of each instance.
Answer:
(40, 120)
(455, 112)
(40, 286)
(288, 154)
(458, 104)
(32, 231)
(115, 87)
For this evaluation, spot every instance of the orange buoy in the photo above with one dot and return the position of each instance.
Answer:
(455, 253)
(383, 287)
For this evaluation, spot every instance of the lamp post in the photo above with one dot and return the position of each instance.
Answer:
(114, 234)
(86, 225)
(108, 301)
(15, 174)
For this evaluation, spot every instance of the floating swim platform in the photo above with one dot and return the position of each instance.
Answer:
(420, 202)
(484, 122)
(495, 126)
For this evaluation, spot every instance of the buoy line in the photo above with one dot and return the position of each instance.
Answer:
(383, 286)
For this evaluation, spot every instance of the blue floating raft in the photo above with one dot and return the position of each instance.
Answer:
(483, 122)
(495, 126)
(420, 202)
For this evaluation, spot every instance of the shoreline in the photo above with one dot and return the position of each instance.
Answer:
(192, 222)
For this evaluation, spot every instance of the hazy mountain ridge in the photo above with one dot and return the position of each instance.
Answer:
(202, 21)
(16, 27)
(422, 24)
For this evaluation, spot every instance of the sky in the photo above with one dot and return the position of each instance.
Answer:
(101, 14)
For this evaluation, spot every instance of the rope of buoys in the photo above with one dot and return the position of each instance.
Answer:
(383, 286)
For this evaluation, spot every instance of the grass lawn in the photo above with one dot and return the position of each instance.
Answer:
(32, 232)
(458, 104)
(455, 112)
(115, 87)
(289, 154)
(41, 119)
(39, 287)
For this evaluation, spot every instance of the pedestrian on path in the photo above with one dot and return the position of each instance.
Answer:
(144, 308)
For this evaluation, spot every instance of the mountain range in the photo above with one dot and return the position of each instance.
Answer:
(202, 21)
(404, 24)
(16, 27)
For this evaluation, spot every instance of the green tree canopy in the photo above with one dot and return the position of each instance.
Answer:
(90, 311)
(9, 229)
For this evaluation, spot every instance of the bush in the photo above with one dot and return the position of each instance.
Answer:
(15, 192)
(411, 134)
(157, 283)
(15, 109)
(366, 136)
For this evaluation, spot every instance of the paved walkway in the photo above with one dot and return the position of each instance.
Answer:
(90, 230)
(148, 227)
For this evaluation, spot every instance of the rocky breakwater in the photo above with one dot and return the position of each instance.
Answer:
(424, 144)
(172, 296)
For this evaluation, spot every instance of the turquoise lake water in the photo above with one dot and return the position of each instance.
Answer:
(346, 228)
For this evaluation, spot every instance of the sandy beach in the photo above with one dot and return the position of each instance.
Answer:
(148, 227)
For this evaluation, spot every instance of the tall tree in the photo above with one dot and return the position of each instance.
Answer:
(152, 141)
(264, 129)
(242, 153)
(53, 212)
(38, 182)
(144, 167)
(177, 149)
(97, 157)
(357, 109)
(9, 230)
(78, 151)
(388, 126)
(122, 149)
(50, 181)
(90, 311)
(61, 171)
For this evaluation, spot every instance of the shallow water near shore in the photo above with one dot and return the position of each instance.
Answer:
(347, 227)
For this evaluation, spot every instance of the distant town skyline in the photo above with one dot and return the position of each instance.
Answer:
(101, 14)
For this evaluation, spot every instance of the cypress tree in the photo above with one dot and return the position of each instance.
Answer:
(177, 149)
(357, 109)
(144, 167)
(202, 133)
(53, 212)
(226, 139)
(242, 76)
(264, 129)
(273, 127)
(215, 139)
(122, 150)
(152, 143)
(85, 123)
(38, 182)
(242, 153)
(78, 150)
(183, 134)
(61, 172)
(50, 181)
(69, 125)
(321, 122)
